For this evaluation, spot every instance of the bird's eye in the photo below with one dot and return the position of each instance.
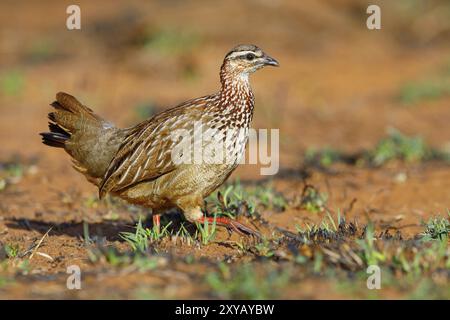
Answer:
(250, 56)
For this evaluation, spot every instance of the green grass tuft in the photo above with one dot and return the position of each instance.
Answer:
(140, 239)
(11, 172)
(12, 250)
(234, 199)
(139, 261)
(243, 282)
(437, 228)
(12, 83)
(313, 200)
(415, 92)
(369, 252)
(207, 231)
(324, 157)
(171, 41)
(397, 146)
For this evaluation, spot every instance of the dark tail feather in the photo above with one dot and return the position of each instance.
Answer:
(57, 136)
(54, 139)
(77, 129)
(57, 129)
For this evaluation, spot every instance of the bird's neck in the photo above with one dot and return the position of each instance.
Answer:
(236, 92)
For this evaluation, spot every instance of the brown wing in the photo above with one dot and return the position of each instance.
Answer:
(146, 152)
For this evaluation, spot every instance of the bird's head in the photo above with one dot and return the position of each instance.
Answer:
(246, 59)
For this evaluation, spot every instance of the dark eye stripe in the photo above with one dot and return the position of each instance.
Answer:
(250, 56)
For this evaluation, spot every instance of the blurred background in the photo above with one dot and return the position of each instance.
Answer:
(364, 131)
(339, 84)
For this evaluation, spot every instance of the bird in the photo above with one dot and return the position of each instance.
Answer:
(139, 163)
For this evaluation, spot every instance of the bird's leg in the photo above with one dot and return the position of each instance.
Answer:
(231, 225)
(157, 222)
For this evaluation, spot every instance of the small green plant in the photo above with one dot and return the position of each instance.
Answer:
(398, 146)
(431, 256)
(171, 41)
(144, 263)
(86, 236)
(312, 200)
(327, 231)
(12, 83)
(4, 281)
(395, 146)
(207, 231)
(415, 92)
(232, 199)
(229, 199)
(267, 197)
(318, 263)
(14, 169)
(141, 262)
(140, 239)
(146, 293)
(92, 202)
(437, 228)
(108, 254)
(263, 248)
(11, 172)
(24, 266)
(12, 250)
(243, 282)
(327, 224)
(369, 252)
(185, 235)
(427, 289)
(322, 158)
(41, 50)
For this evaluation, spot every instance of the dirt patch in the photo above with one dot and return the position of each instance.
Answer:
(339, 85)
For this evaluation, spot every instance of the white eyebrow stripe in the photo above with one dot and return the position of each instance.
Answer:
(242, 53)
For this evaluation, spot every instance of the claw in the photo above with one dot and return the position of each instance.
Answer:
(232, 225)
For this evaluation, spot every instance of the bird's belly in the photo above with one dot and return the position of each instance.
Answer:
(199, 179)
(187, 180)
(214, 176)
(193, 179)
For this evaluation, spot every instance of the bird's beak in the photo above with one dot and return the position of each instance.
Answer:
(269, 61)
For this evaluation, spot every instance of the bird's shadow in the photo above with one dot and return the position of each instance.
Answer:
(110, 230)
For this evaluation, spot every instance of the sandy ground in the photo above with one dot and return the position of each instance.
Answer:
(338, 85)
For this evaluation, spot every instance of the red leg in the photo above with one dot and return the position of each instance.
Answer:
(231, 224)
(157, 222)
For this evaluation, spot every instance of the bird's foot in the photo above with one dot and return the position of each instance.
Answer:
(232, 225)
